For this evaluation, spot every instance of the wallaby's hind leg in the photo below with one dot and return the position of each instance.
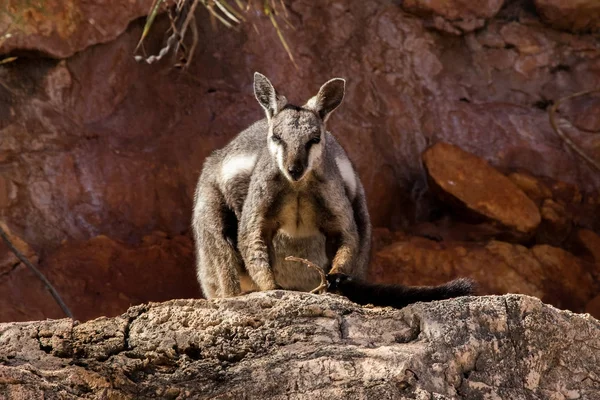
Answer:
(218, 263)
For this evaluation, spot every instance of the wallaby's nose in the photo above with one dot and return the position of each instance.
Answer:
(296, 171)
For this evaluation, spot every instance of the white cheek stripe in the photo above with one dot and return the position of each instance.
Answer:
(314, 156)
(347, 173)
(238, 165)
(280, 164)
(276, 151)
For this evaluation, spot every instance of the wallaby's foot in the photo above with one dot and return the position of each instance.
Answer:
(245, 292)
(265, 281)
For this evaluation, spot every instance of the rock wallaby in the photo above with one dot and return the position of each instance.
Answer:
(285, 187)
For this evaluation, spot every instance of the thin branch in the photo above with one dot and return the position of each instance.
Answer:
(563, 135)
(323, 285)
(36, 271)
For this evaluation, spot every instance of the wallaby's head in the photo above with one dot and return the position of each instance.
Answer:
(296, 137)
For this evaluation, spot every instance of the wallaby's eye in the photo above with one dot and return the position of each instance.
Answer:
(312, 141)
(276, 139)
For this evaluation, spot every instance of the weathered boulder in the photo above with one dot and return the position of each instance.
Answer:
(281, 345)
(531, 186)
(480, 187)
(571, 15)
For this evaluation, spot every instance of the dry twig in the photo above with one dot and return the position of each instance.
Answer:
(36, 271)
(322, 288)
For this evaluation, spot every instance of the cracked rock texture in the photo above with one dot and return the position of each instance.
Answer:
(99, 155)
(286, 345)
(455, 16)
(572, 15)
(61, 28)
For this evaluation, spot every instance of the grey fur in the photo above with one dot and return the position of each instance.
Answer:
(282, 187)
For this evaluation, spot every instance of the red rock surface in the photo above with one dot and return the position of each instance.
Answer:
(531, 186)
(589, 242)
(454, 16)
(593, 307)
(552, 274)
(8, 259)
(62, 28)
(97, 144)
(479, 187)
(572, 15)
(101, 276)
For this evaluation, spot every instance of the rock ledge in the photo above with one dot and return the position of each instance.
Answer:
(295, 345)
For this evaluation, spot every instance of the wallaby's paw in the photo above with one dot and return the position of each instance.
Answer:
(264, 280)
(335, 280)
(268, 286)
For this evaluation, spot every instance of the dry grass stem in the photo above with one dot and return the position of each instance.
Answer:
(322, 288)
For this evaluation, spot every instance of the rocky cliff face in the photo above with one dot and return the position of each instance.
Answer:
(99, 155)
(283, 345)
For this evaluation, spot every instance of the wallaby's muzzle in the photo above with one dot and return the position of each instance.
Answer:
(296, 171)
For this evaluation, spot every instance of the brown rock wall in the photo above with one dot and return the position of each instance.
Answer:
(552, 274)
(101, 277)
(572, 15)
(62, 28)
(456, 16)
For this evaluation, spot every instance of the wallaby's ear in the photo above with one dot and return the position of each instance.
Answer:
(265, 94)
(330, 96)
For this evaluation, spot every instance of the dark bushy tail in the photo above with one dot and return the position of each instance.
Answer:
(397, 296)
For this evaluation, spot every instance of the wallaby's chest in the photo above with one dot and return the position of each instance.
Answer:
(297, 235)
(297, 216)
